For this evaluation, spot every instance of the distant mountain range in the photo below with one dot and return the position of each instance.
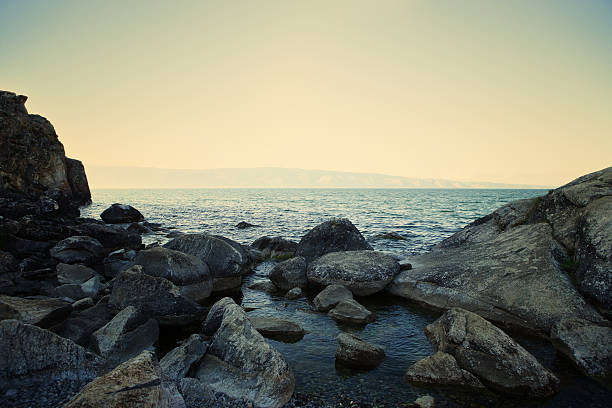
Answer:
(270, 177)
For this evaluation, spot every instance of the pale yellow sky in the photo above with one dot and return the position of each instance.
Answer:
(513, 92)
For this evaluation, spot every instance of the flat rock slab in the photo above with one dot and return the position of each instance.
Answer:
(277, 329)
(42, 312)
(588, 346)
(67, 273)
(78, 249)
(351, 312)
(362, 272)
(329, 297)
(177, 362)
(441, 369)
(354, 352)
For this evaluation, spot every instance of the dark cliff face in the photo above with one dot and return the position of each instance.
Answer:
(32, 159)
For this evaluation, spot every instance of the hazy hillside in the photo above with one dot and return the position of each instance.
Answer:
(139, 177)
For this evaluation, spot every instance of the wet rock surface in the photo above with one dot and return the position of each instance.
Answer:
(329, 297)
(442, 369)
(349, 311)
(354, 352)
(277, 329)
(290, 274)
(335, 235)
(121, 214)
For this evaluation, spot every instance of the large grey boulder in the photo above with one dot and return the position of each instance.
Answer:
(137, 383)
(42, 312)
(588, 346)
(526, 265)
(177, 362)
(240, 363)
(29, 353)
(75, 291)
(121, 214)
(275, 247)
(186, 271)
(490, 355)
(78, 249)
(290, 274)
(335, 235)
(354, 352)
(226, 259)
(441, 369)
(125, 336)
(362, 272)
(351, 312)
(329, 297)
(277, 329)
(153, 296)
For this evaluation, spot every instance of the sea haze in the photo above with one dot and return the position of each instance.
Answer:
(271, 177)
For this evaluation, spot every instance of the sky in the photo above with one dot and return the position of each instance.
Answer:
(510, 92)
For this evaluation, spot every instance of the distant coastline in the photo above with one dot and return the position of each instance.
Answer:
(106, 177)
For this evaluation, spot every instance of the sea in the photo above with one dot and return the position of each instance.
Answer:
(423, 217)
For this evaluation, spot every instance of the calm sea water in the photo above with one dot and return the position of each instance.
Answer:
(422, 216)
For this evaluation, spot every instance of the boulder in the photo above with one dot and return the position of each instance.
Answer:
(153, 296)
(528, 264)
(177, 362)
(265, 286)
(118, 261)
(491, 355)
(186, 271)
(245, 225)
(294, 293)
(76, 273)
(351, 312)
(329, 297)
(425, 401)
(139, 228)
(38, 355)
(335, 235)
(137, 383)
(83, 304)
(356, 353)
(75, 291)
(441, 369)
(225, 258)
(78, 249)
(362, 272)
(112, 237)
(393, 236)
(240, 363)
(42, 312)
(275, 247)
(121, 214)
(587, 345)
(290, 274)
(125, 336)
(197, 394)
(80, 325)
(77, 179)
(277, 329)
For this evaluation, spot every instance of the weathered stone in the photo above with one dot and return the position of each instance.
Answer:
(351, 312)
(139, 228)
(294, 293)
(335, 235)
(290, 274)
(245, 225)
(225, 258)
(441, 369)
(125, 336)
(83, 304)
(177, 362)
(240, 363)
(81, 324)
(277, 329)
(42, 312)
(118, 261)
(121, 214)
(29, 353)
(275, 247)
(112, 237)
(197, 394)
(75, 172)
(329, 297)
(393, 236)
(76, 291)
(8, 263)
(153, 296)
(362, 272)
(354, 352)
(426, 401)
(186, 271)
(588, 346)
(137, 383)
(76, 273)
(490, 354)
(78, 249)
(265, 286)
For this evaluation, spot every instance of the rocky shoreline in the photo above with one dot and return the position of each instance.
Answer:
(84, 304)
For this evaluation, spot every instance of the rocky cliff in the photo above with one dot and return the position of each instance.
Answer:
(33, 165)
